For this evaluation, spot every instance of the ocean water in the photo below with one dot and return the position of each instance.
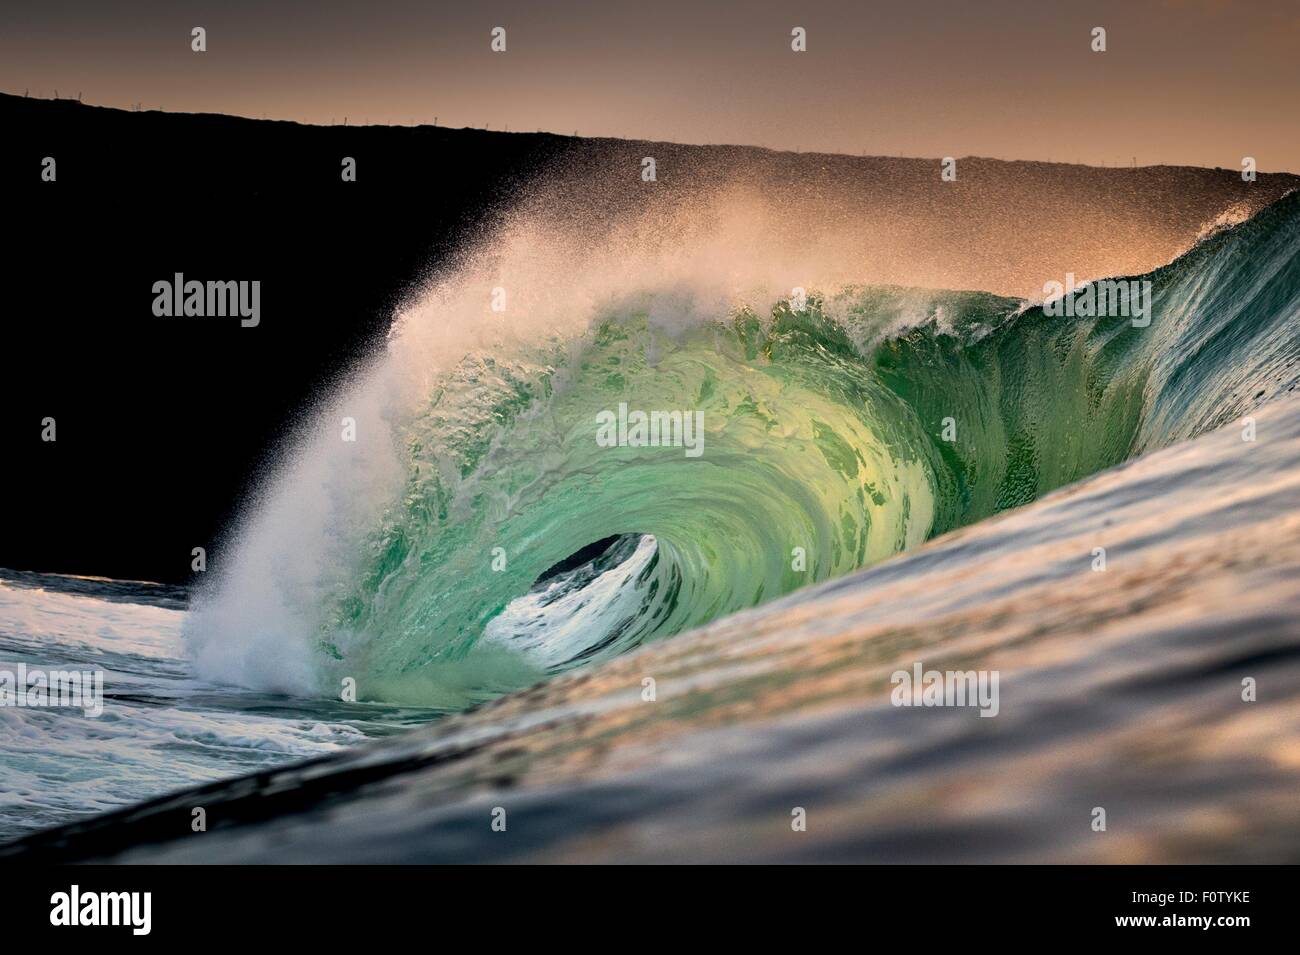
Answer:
(1119, 689)
(837, 432)
(161, 728)
(476, 540)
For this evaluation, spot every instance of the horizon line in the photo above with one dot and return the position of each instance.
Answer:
(131, 109)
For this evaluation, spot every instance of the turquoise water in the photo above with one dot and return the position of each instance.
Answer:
(835, 435)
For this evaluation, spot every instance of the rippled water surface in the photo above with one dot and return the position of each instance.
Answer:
(1120, 689)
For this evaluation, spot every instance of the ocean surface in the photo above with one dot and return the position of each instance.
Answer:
(1103, 510)
(162, 728)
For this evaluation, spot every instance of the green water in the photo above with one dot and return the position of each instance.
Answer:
(835, 435)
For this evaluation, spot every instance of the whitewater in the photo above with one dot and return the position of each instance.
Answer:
(476, 539)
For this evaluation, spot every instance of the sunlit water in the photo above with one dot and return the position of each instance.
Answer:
(479, 544)
(1120, 688)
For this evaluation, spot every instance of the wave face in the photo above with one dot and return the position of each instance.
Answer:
(486, 537)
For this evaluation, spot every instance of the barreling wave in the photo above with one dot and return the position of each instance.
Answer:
(476, 536)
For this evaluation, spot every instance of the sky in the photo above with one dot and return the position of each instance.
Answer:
(1188, 82)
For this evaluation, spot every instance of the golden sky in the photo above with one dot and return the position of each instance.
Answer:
(1194, 82)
